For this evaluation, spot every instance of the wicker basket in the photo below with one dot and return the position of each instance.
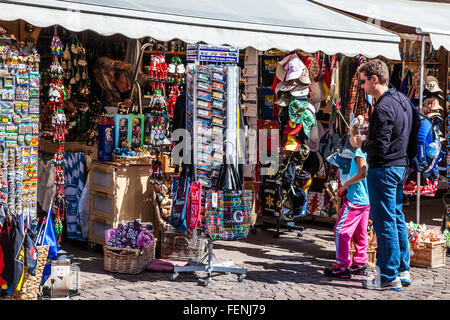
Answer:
(181, 246)
(134, 262)
(429, 255)
(371, 255)
(31, 284)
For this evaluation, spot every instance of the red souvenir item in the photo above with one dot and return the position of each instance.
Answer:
(194, 205)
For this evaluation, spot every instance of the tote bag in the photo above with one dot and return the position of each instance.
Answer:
(228, 211)
(177, 218)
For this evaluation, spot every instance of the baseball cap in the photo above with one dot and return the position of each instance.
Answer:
(280, 72)
(283, 100)
(432, 84)
(286, 85)
(299, 91)
(316, 133)
(308, 120)
(296, 109)
(433, 114)
(432, 103)
(297, 70)
(293, 128)
(292, 143)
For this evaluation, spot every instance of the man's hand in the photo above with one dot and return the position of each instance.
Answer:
(128, 103)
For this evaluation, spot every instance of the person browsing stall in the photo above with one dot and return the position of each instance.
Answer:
(353, 216)
(112, 77)
(390, 126)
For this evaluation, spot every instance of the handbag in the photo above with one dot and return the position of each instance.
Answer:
(228, 207)
(180, 190)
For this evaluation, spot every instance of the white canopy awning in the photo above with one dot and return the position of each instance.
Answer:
(423, 17)
(261, 24)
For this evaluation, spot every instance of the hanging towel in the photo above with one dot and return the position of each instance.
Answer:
(83, 209)
(74, 185)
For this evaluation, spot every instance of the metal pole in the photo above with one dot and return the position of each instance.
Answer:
(138, 65)
(422, 60)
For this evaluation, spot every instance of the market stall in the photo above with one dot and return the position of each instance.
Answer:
(90, 186)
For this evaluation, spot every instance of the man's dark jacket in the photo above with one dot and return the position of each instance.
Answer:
(390, 126)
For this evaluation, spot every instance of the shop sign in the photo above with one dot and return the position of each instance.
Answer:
(207, 53)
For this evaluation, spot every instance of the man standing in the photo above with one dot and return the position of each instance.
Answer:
(390, 126)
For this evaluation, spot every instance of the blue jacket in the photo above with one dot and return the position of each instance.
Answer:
(390, 126)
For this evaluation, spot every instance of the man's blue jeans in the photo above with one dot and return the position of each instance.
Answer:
(386, 198)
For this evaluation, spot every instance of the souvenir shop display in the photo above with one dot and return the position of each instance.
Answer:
(19, 137)
(19, 131)
(213, 118)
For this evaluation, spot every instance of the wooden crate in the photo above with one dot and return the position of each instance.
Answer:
(429, 255)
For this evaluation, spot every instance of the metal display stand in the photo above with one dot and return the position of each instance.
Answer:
(290, 226)
(209, 267)
(231, 135)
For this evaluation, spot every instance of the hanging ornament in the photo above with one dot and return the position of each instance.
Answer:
(77, 76)
(66, 55)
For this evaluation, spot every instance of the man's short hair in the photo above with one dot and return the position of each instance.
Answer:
(376, 67)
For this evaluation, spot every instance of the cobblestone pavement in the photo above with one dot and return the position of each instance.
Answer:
(285, 268)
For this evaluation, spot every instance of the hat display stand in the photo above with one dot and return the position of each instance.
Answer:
(296, 118)
(212, 92)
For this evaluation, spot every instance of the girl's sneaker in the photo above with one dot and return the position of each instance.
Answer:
(337, 271)
(359, 269)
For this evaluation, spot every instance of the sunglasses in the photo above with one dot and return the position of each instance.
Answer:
(362, 81)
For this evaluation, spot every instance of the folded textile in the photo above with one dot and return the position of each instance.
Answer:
(160, 265)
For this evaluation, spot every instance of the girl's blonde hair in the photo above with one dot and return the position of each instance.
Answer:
(103, 67)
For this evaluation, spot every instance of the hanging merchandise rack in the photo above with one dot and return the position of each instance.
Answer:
(57, 97)
(213, 118)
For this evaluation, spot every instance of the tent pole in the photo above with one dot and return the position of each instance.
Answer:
(422, 61)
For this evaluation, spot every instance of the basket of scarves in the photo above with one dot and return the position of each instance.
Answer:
(128, 248)
(31, 283)
(228, 208)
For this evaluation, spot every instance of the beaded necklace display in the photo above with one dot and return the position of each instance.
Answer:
(56, 104)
